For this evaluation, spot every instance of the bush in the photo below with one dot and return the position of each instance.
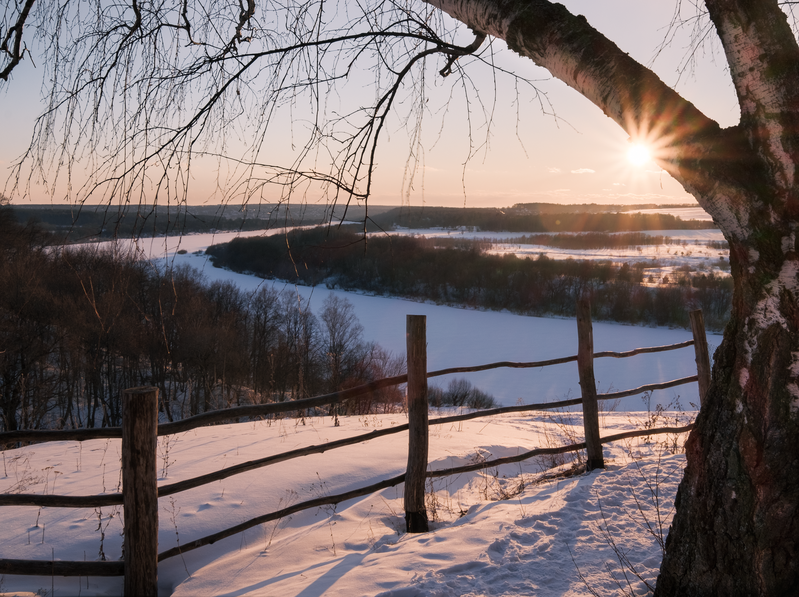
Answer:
(481, 400)
(460, 392)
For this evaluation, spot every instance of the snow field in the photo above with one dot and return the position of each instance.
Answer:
(460, 337)
(504, 531)
(500, 532)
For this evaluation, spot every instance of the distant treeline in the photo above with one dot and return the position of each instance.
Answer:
(587, 207)
(603, 240)
(79, 224)
(72, 224)
(78, 326)
(515, 220)
(419, 268)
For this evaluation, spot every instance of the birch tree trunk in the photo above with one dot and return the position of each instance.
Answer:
(737, 523)
(736, 526)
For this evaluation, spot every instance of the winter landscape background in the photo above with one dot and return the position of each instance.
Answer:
(505, 531)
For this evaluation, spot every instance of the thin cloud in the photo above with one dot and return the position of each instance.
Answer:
(583, 171)
(552, 170)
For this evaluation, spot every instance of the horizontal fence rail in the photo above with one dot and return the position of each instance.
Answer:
(61, 568)
(648, 388)
(207, 418)
(637, 351)
(274, 408)
(66, 568)
(414, 478)
(342, 497)
(115, 499)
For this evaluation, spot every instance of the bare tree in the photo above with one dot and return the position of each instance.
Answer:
(343, 342)
(116, 68)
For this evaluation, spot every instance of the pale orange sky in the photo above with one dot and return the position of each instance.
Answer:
(578, 158)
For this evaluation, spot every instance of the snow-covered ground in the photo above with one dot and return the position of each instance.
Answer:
(505, 531)
(501, 532)
(674, 254)
(692, 236)
(660, 260)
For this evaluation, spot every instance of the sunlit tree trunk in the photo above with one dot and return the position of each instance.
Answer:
(736, 531)
(736, 527)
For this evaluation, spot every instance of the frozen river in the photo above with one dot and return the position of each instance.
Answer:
(461, 337)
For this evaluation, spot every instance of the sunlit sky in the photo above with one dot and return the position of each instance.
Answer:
(579, 156)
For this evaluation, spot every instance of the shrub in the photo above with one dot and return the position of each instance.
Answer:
(460, 392)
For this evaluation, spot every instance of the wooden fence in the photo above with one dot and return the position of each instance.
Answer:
(139, 432)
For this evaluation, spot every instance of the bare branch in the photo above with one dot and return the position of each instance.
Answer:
(455, 54)
(14, 32)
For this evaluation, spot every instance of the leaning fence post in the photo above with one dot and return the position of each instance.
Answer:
(140, 490)
(416, 338)
(701, 351)
(585, 368)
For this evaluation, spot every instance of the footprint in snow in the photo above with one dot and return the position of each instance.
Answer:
(496, 550)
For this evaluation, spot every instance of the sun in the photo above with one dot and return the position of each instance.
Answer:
(638, 154)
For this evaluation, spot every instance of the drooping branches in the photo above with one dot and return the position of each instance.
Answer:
(144, 94)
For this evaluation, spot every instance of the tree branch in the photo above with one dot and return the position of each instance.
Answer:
(691, 147)
(455, 54)
(15, 31)
(761, 51)
(587, 61)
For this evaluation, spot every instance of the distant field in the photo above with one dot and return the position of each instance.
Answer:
(660, 260)
(685, 213)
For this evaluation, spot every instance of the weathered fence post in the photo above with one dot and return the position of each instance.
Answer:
(701, 351)
(416, 339)
(140, 490)
(585, 368)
